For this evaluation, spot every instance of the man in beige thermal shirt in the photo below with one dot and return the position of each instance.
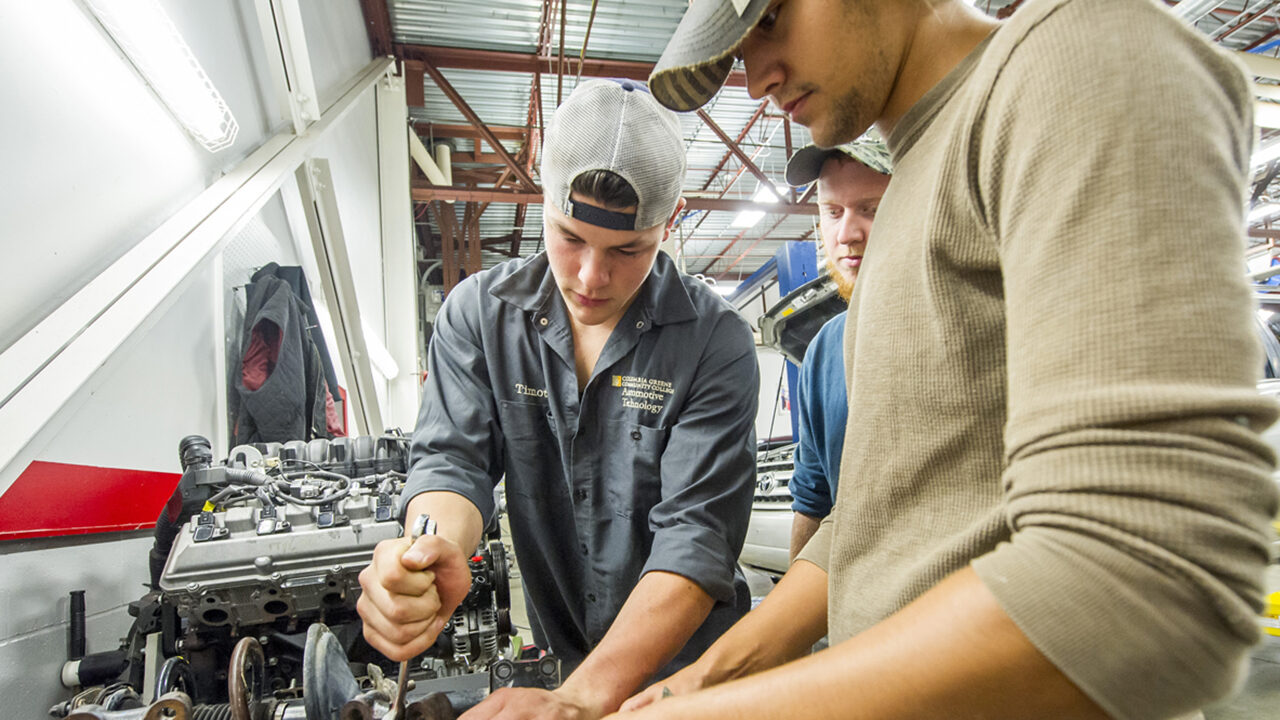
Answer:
(1056, 497)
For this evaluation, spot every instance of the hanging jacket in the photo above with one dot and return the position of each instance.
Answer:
(281, 393)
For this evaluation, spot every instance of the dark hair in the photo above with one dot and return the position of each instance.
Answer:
(609, 189)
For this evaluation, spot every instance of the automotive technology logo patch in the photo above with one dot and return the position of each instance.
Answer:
(642, 393)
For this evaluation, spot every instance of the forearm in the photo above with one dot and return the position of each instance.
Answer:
(802, 528)
(456, 517)
(658, 618)
(951, 653)
(790, 619)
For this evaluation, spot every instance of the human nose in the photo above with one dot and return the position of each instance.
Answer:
(851, 230)
(764, 72)
(594, 271)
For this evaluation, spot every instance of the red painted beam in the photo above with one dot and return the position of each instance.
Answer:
(737, 151)
(476, 122)
(506, 61)
(446, 130)
(424, 193)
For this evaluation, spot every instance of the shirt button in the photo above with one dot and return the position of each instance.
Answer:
(584, 548)
(635, 434)
(542, 321)
(579, 494)
(591, 597)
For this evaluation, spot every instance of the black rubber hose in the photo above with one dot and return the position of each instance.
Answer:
(75, 629)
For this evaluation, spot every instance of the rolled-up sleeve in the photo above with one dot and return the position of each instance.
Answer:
(1136, 484)
(457, 443)
(709, 467)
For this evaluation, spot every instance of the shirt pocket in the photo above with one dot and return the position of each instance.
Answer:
(524, 421)
(631, 465)
(531, 449)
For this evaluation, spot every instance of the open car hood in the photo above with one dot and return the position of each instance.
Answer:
(791, 324)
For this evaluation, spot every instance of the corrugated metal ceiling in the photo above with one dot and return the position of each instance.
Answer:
(630, 30)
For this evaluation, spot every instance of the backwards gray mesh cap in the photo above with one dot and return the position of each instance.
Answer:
(614, 125)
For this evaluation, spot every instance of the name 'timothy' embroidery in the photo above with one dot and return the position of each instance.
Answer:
(522, 389)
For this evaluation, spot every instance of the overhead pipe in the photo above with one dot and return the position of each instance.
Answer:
(427, 164)
(444, 161)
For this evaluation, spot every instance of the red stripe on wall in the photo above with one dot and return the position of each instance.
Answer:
(51, 499)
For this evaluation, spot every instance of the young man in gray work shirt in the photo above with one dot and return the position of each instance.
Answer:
(617, 396)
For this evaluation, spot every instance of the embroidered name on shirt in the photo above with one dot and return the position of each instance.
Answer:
(522, 389)
(642, 393)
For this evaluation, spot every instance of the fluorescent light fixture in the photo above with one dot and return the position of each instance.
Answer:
(1262, 212)
(147, 36)
(725, 289)
(749, 218)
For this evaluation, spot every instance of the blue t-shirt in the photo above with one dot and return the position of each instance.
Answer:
(824, 409)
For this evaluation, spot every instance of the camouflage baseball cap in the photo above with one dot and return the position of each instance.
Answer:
(699, 56)
(805, 166)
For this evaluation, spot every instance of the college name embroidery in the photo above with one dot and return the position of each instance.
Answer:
(522, 389)
(642, 393)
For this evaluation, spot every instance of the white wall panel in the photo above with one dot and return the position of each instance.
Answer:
(337, 52)
(93, 160)
(34, 584)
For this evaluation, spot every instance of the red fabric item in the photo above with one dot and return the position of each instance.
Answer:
(335, 425)
(260, 357)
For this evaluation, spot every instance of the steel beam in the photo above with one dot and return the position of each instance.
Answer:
(1243, 22)
(285, 42)
(505, 61)
(469, 132)
(426, 193)
(474, 119)
(473, 259)
(415, 91)
(737, 151)
(803, 199)
(728, 153)
(399, 243)
(328, 242)
(560, 64)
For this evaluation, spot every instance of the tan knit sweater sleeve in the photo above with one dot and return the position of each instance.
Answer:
(1136, 485)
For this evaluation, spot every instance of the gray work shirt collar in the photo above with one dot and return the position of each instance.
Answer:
(662, 298)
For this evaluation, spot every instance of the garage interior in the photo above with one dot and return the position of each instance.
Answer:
(388, 149)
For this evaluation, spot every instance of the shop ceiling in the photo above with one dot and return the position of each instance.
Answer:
(484, 76)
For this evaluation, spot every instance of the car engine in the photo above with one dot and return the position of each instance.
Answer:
(251, 613)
